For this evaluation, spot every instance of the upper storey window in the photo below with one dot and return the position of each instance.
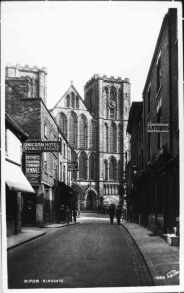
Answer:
(159, 73)
(149, 100)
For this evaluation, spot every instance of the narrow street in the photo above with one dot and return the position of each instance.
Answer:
(91, 254)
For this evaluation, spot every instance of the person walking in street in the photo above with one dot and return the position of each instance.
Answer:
(62, 214)
(67, 214)
(74, 215)
(111, 213)
(118, 214)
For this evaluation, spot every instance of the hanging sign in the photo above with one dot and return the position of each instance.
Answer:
(33, 168)
(158, 127)
(73, 166)
(42, 146)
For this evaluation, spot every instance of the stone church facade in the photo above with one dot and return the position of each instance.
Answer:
(96, 131)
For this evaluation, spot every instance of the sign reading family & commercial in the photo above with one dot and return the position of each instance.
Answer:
(42, 146)
(158, 127)
(33, 168)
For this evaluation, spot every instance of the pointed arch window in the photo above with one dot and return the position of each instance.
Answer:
(72, 130)
(113, 94)
(92, 135)
(68, 101)
(113, 140)
(112, 169)
(92, 166)
(119, 137)
(62, 123)
(82, 166)
(106, 138)
(82, 133)
(73, 159)
(77, 102)
(73, 100)
(106, 170)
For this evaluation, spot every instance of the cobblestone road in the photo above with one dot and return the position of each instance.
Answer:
(91, 254)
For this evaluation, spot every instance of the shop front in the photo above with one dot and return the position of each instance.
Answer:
(16, 185)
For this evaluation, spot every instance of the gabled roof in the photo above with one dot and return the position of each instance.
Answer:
(134, 115)
(74, 89)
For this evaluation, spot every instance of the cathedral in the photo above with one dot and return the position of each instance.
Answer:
(95, 127)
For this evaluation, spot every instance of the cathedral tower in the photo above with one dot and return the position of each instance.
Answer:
(108, 99)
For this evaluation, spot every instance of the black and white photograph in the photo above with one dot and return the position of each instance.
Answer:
(91, 133)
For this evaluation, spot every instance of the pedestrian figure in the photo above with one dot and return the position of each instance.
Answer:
(111, 213)
(118, 214)
(67, 214)
(74, 215)
(62, 214)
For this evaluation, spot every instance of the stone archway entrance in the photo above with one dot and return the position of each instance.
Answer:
(90, 202)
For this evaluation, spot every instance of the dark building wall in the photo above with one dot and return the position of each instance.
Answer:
(163, 170)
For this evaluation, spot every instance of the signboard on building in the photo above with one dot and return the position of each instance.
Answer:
(158, 127)
(73, 166)
(42, 146)
(111, 199)
(33, 168)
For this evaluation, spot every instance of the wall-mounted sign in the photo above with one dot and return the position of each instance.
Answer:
(33, 168)
(42, 146)
(158, 127)
(73, 166)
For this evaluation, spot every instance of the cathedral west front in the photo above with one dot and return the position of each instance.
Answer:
(95, 128)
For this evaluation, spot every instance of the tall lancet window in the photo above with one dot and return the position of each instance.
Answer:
(92, 135)
(106, 170)
(119, 138)
(68, 101)
(113, 94)
(106, 138)
(82, 166)
(74, 160)
(92, 166)
(112, 169)
(72, 133)
(73, 100)
(113, 140)
(62, 123)
(77, 102)
(82, 132)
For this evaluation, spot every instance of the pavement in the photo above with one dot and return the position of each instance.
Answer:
(29, 233)
(161, 258)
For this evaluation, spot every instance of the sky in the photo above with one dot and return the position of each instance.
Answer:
(75, 40)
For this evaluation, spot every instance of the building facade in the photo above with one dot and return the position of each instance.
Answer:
(17, 185)
(161, 133)
(26, 100)
(96, 130)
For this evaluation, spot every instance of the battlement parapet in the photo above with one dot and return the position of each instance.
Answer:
(9, 66)
(105, 78)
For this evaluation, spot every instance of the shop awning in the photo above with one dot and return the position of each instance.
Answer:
(65, 187)
(15, 179)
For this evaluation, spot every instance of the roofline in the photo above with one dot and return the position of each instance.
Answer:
(165, 19)
(71, 86)
(15, 127)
